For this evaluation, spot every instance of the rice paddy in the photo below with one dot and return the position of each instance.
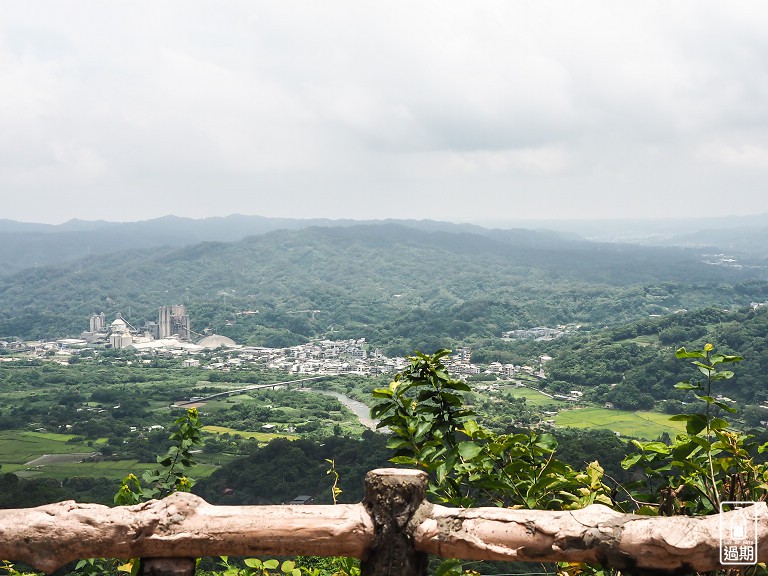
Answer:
(639, 424)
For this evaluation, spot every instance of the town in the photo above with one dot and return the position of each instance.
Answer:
(172, 337)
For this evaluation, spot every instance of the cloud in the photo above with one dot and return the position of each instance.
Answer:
(740, 156)
(358, 109)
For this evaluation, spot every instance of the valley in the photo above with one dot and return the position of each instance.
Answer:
(551, 332)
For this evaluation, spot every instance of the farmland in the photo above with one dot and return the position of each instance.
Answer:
(533, 397)
(29, 453)
(639, 424)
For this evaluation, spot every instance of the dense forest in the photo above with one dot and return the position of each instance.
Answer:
(632, 365)
(400, 287)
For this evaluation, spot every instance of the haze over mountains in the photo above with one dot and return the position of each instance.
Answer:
(24, 244)
(401, 284)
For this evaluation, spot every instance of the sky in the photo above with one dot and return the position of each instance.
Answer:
(462, 111)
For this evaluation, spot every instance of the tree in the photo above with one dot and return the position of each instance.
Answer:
(707, 465)
(467, 464)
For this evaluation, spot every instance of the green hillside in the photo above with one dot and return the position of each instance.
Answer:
(633, 366)
(400, 287)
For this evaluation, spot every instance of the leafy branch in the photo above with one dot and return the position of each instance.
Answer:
(171, 476)
(468, 464)
(707, 465)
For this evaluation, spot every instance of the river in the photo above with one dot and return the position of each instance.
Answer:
(361, 410)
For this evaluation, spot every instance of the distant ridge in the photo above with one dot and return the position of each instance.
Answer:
(25, 244)
(417, 285)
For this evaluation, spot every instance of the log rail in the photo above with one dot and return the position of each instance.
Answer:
(391, 531)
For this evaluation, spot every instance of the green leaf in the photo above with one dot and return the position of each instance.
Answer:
(658, 447)
(718, 424)
(395, 442)
(471, 428)
(678, 418)
(440, 353)
(725, 407)
(631, 460)
(452, 399)
(380, 409)
(647, 511)
(458, 385)
(422, 429)
(687, 386)
(469, 450)
(409, 460)
(702, 442)
(706, 370)
(683, 353)
(450, 566)
(271, 564)
(723, 359)
(546, 441)
(696, 424)
(440, 473)
(252, 562)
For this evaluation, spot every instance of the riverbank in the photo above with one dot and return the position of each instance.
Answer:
(360, 410)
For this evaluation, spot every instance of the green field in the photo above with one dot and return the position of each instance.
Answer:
(225, 402)
(116, 470)
(533, 397)
(640, 424)
(17, 447)
(260, 436)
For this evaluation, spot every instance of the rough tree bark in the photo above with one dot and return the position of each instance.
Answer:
(595, 534)
(179, 526)
(393, 498)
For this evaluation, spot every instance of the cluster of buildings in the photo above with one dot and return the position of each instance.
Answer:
(460, 362)
(512, 370)
(351, 357)
(172, 322)
(171, 335)
(325, 357)
(537, 333)
(321, 357)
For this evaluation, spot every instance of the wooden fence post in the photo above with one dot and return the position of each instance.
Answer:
(392, 498)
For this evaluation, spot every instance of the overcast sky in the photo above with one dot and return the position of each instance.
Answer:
(463, 111)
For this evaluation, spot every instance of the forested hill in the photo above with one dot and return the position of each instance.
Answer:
(397, 286)
(24, 244)
(634, 365)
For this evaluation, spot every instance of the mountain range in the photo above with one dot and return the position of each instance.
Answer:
(400, 284)
(25, 245)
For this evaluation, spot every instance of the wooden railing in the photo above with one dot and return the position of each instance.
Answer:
(391, 531)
